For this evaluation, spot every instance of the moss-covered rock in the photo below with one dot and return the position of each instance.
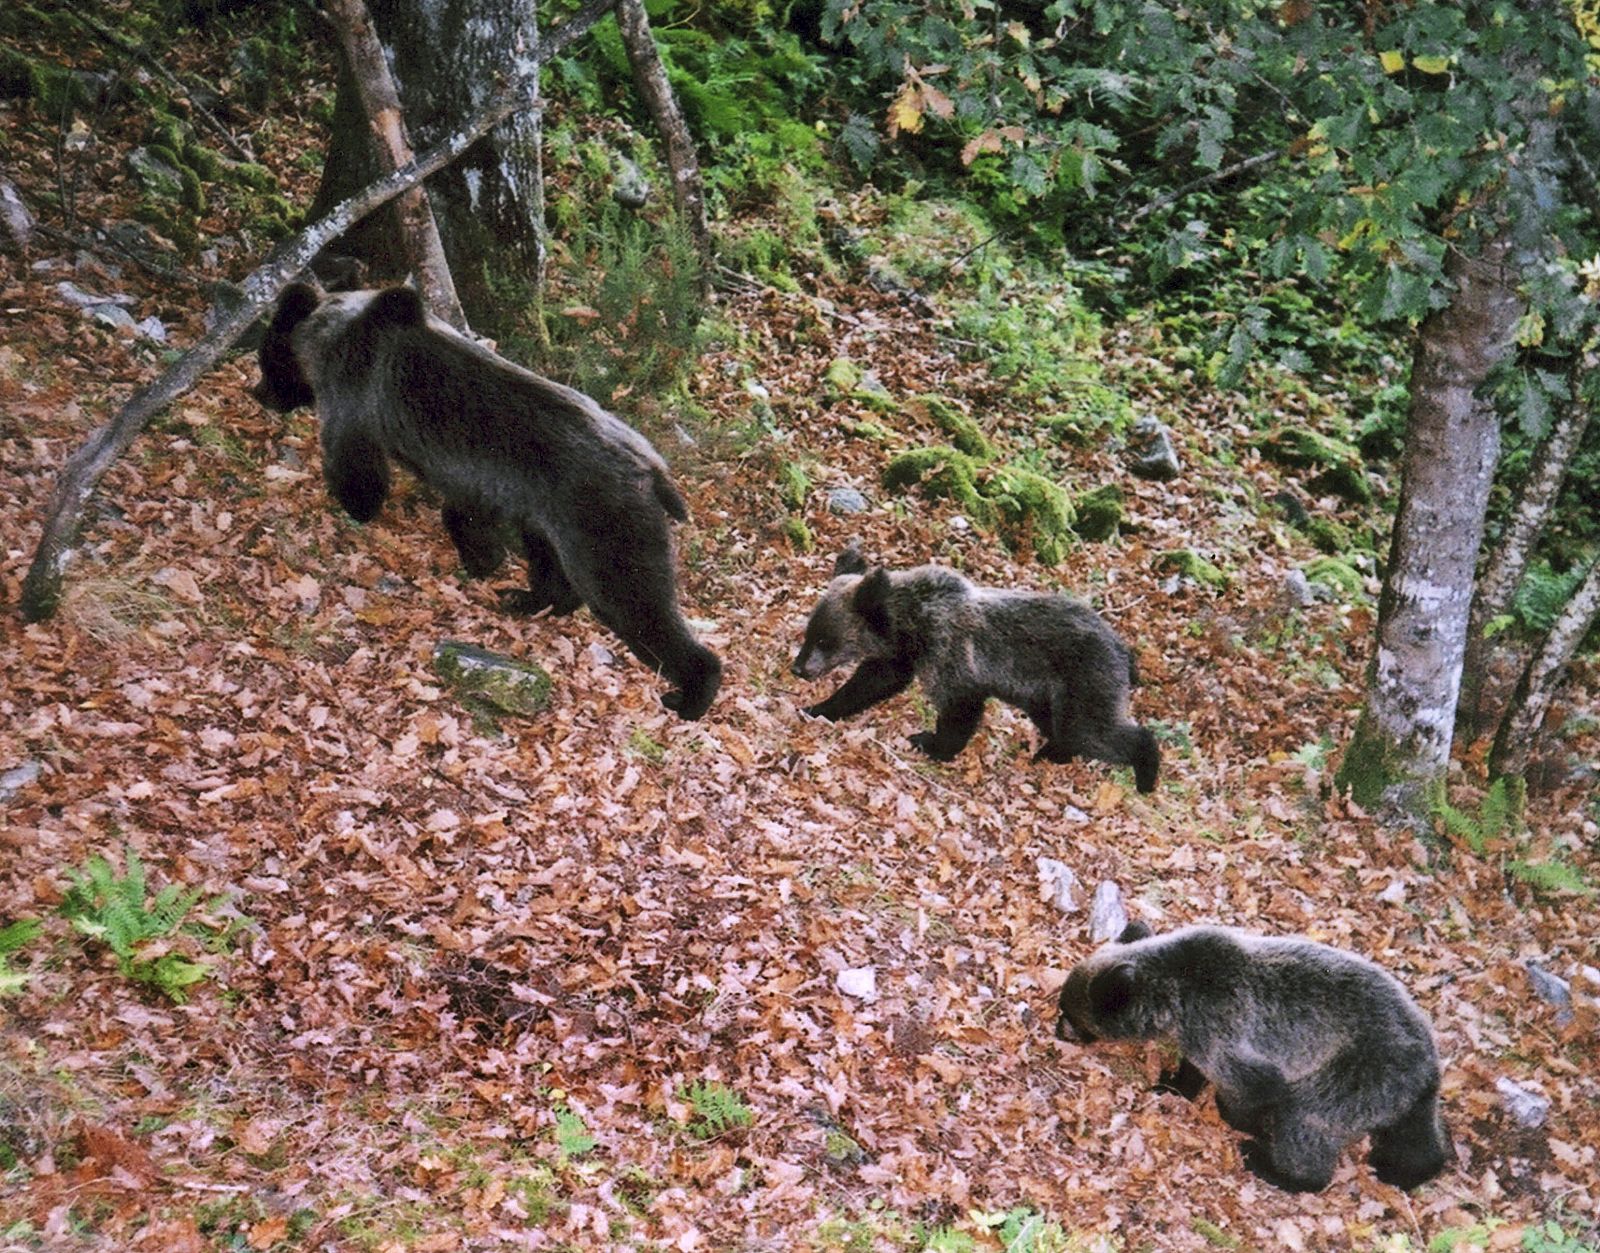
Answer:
(1032, 506)
(156, 168)
(488, 683)
(1329, 535)
(255, 177)
(794, 484)
(20, 77)
(1340, 471)
(203, 161)
(1191, 565)
(868, 429)
(955, 422)
(843, 375)
(1339, 576)
(1100, 512)
(942, 472)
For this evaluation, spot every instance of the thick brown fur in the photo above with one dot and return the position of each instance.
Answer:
(1309, 1047)
(587, 495)
(1050, 656)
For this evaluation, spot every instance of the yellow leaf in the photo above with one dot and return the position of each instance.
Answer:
(1431, 65)
(1530, 329)
(1019, 32)
(905, 114)
(1393, 61)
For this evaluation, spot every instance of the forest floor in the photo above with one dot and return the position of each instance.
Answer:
(575, 984)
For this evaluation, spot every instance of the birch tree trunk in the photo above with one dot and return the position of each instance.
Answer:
(419, 234)
(1519, 729)
(445, 56)
(650, 77)
(1397, 758)
(1501, 577)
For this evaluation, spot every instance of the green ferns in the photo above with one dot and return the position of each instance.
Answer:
(12, 938)
(139, 929)
(717, 1110)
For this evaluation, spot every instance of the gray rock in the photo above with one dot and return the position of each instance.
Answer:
(155, 175)
(1107, 917)
(491, 683)
(16, 223)
(114, 316)
(1525, 1106)
(630, 188)
(1154, 456)
(1058, 885)
(78, 298)
(152, 329)
(17, 778)
(1297, 593)
(1552, 989)
(846, 500)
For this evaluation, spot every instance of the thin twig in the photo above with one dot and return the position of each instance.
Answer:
(1205, 180)
(89, 244)
(144, 58)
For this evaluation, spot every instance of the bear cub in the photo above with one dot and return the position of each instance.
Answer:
(509, 451)
(1309, 1047)
(1051, 656)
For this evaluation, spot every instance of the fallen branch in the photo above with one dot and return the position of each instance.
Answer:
(1216, 176)
(41, 590)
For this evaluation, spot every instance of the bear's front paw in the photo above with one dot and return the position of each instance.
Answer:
(928, 742)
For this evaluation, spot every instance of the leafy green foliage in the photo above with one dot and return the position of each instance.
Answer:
(1551, 878)
(140, 929)
(1494, 819)
(717, 1109)
(12, 938)
(572, 1134)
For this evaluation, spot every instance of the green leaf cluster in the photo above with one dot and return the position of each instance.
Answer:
(717, 1109)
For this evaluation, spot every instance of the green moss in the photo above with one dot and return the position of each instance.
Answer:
(942, 472)
(877, 401)
(798, 534)
(1375, 773)
(488, 681)
(843, 375)
(255, 177)
(960, 426)
(1092, 409)
(1191, 565)
(164, 154)
(167, 134)
(1336, 574)
(794, 484)
(1329, 536)
(194, 195)
(204, 162)
(1339, 466)
(1036, 507)
(1100, 512)
(20, 78)
(868, 429)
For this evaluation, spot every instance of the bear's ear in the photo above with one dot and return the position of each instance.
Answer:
(395, 306)
(850, 561)
(1111, 990)
(1135, 931)
(296, 303)
(871, 600)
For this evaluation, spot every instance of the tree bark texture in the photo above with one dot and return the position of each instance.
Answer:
(41, 589)
(489, 206)
(1502, 575)
(391, 145)
(1525, 715)
(650, 77)
(1401, 746)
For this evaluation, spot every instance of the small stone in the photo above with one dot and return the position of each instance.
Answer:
(1154, 456)
(1526, 1107)
(152, 329)
(1394, 894)
(76, 296)
(16, 222)
(1072, 813)
(860, 982)
(631, 189)
(17, 778)
(959, 525)
(481, 677)
(600, 655)
(1296, 590)
(114, 316)
(1058, 885)
(1552, 989)
(1107, 917)
(846, 500)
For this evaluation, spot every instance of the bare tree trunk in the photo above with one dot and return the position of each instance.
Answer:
(489, 206)
(650, 77)
(41, 590)
(419, 234)
(1501, 577)
(1401, 746)
(1519, 729)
